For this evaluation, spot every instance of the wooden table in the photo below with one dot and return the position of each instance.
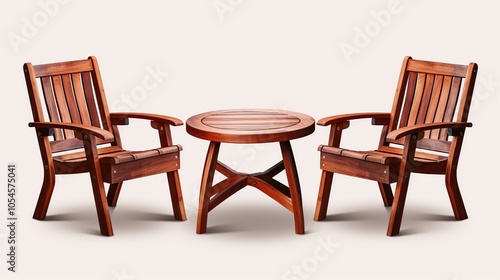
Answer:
(250, 126)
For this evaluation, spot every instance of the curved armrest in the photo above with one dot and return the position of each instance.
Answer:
(347, 117)
(455, 127)
(96, 131)
(121, 118)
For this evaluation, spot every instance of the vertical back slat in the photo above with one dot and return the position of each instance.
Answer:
(62, 105)
(443, 100)
(410, 93)
(426, 97)
(51, 105)
(451, 105)
(89, 96)
(433, 105)
(452, 99)
(417, 99)
(70, 99)
(80, 98)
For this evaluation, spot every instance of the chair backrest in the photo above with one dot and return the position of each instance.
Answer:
(429, 92)
(70, 92)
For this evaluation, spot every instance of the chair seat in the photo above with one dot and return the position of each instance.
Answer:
(118, 164)
(385, 155)
(371, 156)
(381, 165)
(127, 156)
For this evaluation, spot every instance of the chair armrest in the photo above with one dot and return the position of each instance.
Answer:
(456, 129)
(377, 118)
(96, 131)
(122, 118)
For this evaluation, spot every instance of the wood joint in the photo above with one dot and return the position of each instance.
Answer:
(457, 132)
(380, 121)
(119, 121)
(43, 132)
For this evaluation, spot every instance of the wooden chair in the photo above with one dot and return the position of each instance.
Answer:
(423, 133)
(76, 133)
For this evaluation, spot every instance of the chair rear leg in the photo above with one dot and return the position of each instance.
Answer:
(386, 192)
(325, 187)
(455, 197)
(174, 184)
(42, 205)
(114, 193)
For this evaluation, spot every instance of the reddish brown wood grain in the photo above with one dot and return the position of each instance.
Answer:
(70, 113)
(422, 134)
(250, 126)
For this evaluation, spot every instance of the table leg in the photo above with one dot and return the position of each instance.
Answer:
(206, 185)
(293, 183)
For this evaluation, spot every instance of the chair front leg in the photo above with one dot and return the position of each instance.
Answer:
(325, 187)
(174, 184)
(385, 189)
(398, 205)
(101, 203)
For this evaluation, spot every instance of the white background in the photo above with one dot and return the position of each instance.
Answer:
(239, 54)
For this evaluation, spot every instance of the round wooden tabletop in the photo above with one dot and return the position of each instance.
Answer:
(250, 125)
